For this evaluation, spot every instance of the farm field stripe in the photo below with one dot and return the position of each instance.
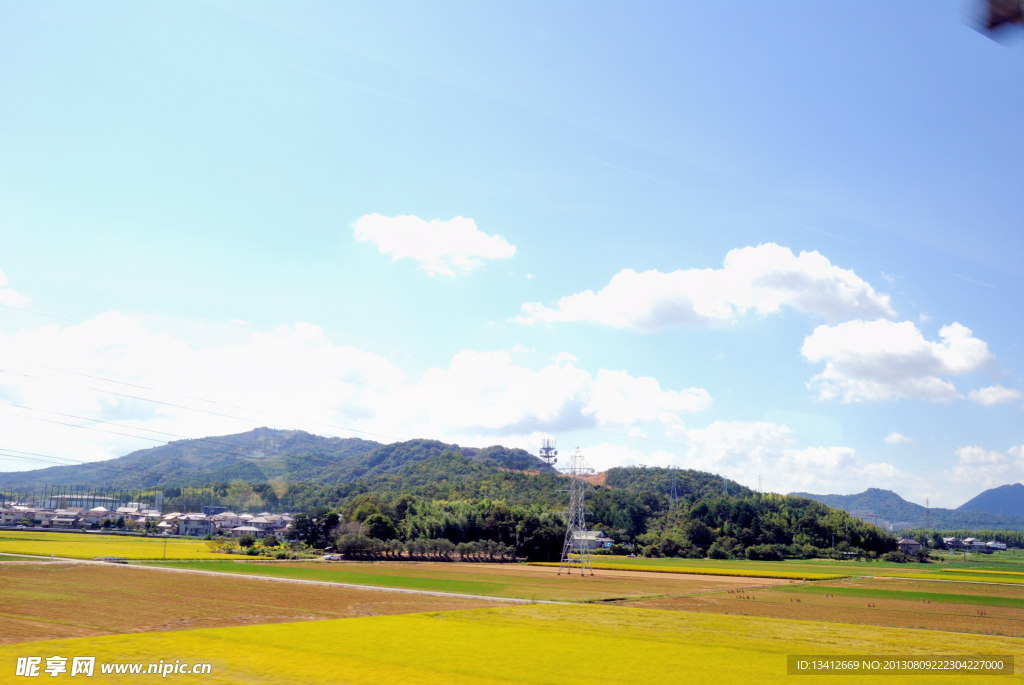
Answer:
(937, 579)
(285, 579)
(742, 573)
(524, 644)
(981, 571)
(909, 595)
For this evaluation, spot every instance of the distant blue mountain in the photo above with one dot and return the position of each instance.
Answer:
(1007, 500)
(887, 505)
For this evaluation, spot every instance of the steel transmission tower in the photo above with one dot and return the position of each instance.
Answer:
(576, 550)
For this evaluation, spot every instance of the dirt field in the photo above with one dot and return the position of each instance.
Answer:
(955, 607)
(44, 601)
(493, 580)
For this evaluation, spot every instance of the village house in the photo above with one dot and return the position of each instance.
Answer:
(593, 539)
(12, 516)
(909, 546)
(953, 543)
(195, 524)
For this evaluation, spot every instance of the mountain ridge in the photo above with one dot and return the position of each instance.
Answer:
(259, 455)
(886, 504)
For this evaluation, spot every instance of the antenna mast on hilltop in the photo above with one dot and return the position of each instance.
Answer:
(576, 549)
(548, 452)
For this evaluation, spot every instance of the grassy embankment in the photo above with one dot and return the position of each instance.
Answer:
(526, 644)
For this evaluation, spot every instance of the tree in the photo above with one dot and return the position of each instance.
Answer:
(246, 541)
(379, 526)
(698, 533)
(315, 527)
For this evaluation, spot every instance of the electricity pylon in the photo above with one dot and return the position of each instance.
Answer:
(576, 549)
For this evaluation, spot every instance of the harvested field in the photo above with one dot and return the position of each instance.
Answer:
(955, 607)
(46, 601)
(493, 580)
(526, 644)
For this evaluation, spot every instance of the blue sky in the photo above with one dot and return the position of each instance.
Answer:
(183, 180)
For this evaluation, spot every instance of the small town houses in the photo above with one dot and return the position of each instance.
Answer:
(973, 545)
(175, 523)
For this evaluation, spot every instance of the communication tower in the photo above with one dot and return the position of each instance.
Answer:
(548, 452)
(576, 549)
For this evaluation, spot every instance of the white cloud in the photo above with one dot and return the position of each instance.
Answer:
(995, 394)
(240, 322)
(897, 439)
(982, 468)
(295, 377)
(9, 296)
(440, 246)
(884, 360)
(762, 279)
(744, 450)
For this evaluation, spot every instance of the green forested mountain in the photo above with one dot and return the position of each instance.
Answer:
(260, 455)
(454, 498)
(428, 490)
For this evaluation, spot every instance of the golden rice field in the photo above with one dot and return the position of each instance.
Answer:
(705, 571)
(542, 644)
(89, 545)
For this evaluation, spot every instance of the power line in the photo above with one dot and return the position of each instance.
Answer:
(332, 425)
(49, 316)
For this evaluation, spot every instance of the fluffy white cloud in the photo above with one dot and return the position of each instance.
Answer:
(897, 439)
(995, 394)
(440, 246)
(9, 296)
(484, 396)
(743, 450)
(295, 377)
(978, 467)
(762, 279)
(883, 360)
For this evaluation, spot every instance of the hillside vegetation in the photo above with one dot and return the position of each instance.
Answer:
(371, 499)
(257, 456)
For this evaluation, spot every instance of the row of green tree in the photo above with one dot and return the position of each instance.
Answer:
(451, 498)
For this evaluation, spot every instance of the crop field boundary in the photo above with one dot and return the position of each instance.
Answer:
(141, 564)
(433, 593)
(911, 576)
(698, 571)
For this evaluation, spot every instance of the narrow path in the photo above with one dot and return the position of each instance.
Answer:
(432, 593)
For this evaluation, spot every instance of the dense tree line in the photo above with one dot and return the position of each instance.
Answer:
(464, 502)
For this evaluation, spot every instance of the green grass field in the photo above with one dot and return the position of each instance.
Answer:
(415, 577)
(911, 596)
(520, 581)
(797, 566)
(540, 644)
(737, 571)
(89, 545)
(8, 557)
